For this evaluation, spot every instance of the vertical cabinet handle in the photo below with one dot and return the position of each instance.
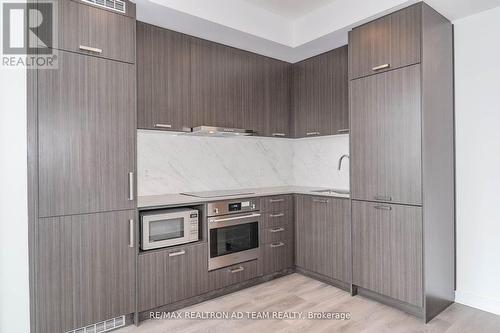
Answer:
(384, 66)
(131, 186)
(236, 270)
(131, 233)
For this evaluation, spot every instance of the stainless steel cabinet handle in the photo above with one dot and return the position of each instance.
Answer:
(131, 233)
(279, 134)
(312, 133)
(277, 215)
(346, 130)
(275, 245)
(163, 126)
(177, 253)
(90, 49)
(276, 200)
(377, 68)
(277, 230)
(320, 201)
(383, 198)
(383, 207)
(236, 270)
(131, 186)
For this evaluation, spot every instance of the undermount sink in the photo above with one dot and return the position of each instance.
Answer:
(332, 192)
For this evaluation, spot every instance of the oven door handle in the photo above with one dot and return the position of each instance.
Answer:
(241, 217)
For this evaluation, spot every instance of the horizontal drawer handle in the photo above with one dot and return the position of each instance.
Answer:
(277, 230)
(276, 200)
(236, 270)
(275, 245)
(163, 126)
(177, 253)
(320, 201)
(346, 130)
(279, 134)
(90, 49)
(312, 133)
(383, 198)
(383, 207)
(277, 215)
(377, 68)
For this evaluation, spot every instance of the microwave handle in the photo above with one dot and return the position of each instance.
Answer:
(131, 233)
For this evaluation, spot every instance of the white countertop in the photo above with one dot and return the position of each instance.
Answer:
(153, 201)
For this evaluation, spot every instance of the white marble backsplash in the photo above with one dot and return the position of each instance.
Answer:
(174, 163)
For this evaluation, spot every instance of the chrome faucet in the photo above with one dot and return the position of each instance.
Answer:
(341, 159)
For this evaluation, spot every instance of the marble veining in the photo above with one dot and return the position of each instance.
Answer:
(170, 163)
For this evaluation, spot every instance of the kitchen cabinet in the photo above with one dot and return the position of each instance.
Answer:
(228, 276)
(277, 256)
(163, 79)
(86, 136)
(323, 236)
(390, 42)
(91, 30)
(387, 250)
(170, 275)
(386, 137)
(85, 270)
(320, 95)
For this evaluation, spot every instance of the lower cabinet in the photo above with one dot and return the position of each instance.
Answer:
(85, 270)
(227, 276)
(277, 256)
(168, 276)
(323, 236)
(387, 250)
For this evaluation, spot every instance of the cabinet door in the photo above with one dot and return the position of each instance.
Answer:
(98, 32)
(300, 99)
(386, 137)
(85, 270)
(168, 276)
(216, 84)
(228, 276)
(387, 250)
(86, 115)
(163, 78)
(277, 256)
(276, 98)
(389, 42)
(323, 236)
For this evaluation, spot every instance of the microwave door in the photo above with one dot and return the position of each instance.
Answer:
(163, 230)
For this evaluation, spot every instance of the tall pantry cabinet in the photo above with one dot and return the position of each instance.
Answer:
(402, 169)
(82, 123)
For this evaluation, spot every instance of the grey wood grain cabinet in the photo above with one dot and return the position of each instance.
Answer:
(86, 136)
(393, 41)
(323, 236)
(228, 276)
(386, 137)
(85, 270)
(94, 31)
(387, 250)
(163, 78)
(168, 276)
(320, 95)
(277, 256)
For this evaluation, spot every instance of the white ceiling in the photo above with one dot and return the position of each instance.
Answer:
(290, 30)
(290, 8)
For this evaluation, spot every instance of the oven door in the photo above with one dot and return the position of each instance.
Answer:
(164, 230)
(233, 239)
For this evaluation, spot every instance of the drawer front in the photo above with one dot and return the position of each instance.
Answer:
(86, 29)
(277, 218)
(234, 274)
(276, 233)
(277, 256)
(276, 204)
(172, 275)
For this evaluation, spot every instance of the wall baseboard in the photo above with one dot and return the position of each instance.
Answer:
(478, 302)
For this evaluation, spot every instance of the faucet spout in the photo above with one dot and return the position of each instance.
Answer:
(341, 159)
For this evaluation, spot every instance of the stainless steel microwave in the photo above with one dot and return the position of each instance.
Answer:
(169, 227)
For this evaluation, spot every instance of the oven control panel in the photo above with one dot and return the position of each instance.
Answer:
(232, 206)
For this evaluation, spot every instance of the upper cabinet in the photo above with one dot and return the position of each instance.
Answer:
(320, 95)
(387, 43)
(163, 80)
(91, 30)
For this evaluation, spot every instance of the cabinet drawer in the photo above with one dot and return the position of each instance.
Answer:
(277, 256)
(277, 218)
(276, 204)
(98, 32)
(234, 274)
(276, 233)
(168, 276)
